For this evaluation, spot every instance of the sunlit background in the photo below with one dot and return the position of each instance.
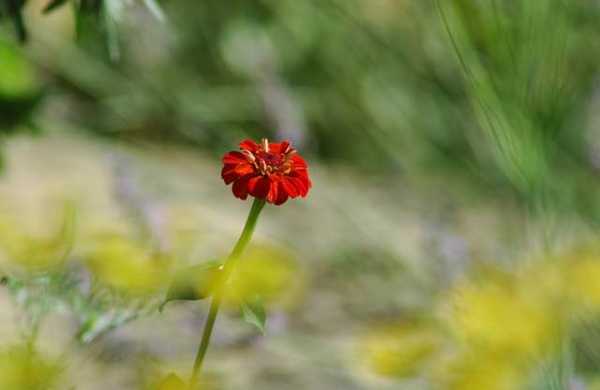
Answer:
(449, 241)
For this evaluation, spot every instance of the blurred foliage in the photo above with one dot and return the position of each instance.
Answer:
(481, 90)
(263, 275)
(127, 267)
(195, 282)
(478, 90)
(20, 250)
(501, 329)
(173, 382)
(267, 272)
(484, 98)
(20, 88)
(114, 281)
(400, 350)
(530, 88)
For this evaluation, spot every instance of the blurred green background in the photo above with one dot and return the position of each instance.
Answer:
(449, 142)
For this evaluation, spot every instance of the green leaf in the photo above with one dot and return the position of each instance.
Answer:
(194, 283)
(254, 313)
(18, 78)
(15, 11)
(52, 5)
(20, 88)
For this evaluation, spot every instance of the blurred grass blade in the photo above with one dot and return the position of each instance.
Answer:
(97, 325)
(52, 5)
(254, 313)
(15, 8)
(155, 9)
(497, 86)
(111, 13)
(66, 235)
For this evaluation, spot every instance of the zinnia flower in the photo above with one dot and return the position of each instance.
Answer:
(270, 171)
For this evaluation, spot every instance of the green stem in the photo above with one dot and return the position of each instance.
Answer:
(228, 267)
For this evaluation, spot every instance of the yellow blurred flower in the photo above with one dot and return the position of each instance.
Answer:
(571, 279)
(171, 382)
(466, 371)
(128, 267)
(496, 313)
(264, 271)
(21, 368)
(581, 268)
(24, 250)
(399, 350)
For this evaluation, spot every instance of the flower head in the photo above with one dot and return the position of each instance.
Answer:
(270, 171)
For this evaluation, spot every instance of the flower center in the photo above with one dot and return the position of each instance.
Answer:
(267, 162)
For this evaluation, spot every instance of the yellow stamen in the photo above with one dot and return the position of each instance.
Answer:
(263, 166)
(249, 155)
(265, 145)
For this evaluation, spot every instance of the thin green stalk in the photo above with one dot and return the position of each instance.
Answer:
(228, 267)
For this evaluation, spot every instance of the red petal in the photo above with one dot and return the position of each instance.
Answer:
(273, 191)
(278, 147)
(234, 158)
(302, 174)
(240, 187)
(244, 169)
(306, 180)
(229, 174)
(285, 147)
(249, 145)
(302, 184)
(282, 195)
(299, 173)
(288, 186)
(299, 162)
(274, 147)
(259, 186)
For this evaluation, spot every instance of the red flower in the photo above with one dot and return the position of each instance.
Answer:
(271, 171)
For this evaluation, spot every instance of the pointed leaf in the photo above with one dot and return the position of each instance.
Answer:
(254, 313)
(52, 5)
(194, 283)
